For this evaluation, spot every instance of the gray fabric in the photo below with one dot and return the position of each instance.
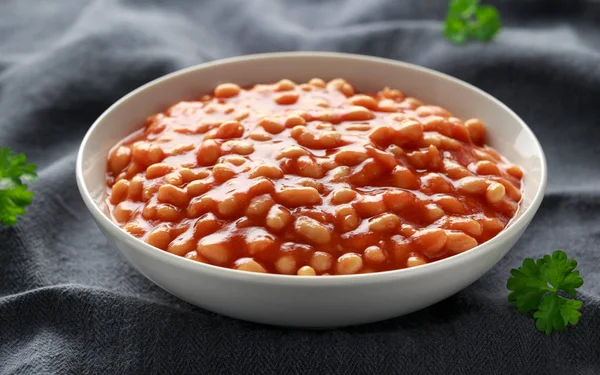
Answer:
(70, 304)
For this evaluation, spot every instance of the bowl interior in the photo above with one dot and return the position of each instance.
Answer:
(507, 132)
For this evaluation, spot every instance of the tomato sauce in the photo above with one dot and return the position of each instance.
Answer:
(310, 179)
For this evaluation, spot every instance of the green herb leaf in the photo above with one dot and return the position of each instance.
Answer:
(455, 30)
(556, 312)
(558, 271)
(463, 8)
(467, 19)
(14, 174)
(487, 24)
(535, 287)
(13, 202)
(527, 286)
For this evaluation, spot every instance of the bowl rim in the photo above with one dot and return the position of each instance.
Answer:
(294, 280)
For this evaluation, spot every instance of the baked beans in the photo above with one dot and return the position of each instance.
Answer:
(310, 179)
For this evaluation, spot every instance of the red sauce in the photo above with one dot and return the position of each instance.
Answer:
(310, 179)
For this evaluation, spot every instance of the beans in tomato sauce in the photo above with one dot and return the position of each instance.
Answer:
(310, 179)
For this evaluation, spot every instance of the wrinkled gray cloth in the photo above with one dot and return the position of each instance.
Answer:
(69, 304)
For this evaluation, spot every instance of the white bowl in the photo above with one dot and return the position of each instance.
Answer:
(311, 301)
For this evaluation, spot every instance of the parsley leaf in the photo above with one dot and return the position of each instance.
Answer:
(13, 202)
(463, 8)
(488, 23)
(527, 286)
(556, 312)
(559, 272)
(467, 19)
(14, 174)
(535, 287)
(455, 30)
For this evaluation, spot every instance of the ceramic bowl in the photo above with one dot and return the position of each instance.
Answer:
(311, 301)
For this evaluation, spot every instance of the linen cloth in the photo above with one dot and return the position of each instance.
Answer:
(69, 304)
